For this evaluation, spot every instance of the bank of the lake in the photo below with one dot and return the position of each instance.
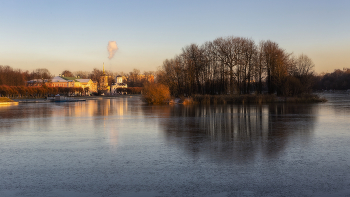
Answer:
(69, 99)
(248, 99)
(7, 101)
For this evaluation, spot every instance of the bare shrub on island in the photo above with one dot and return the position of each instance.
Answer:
(156, 93)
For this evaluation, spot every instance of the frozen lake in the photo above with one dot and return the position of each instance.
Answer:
(122, 147)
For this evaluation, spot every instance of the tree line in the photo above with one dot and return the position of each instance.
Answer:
(13, 77)
(133, 78)
(38, 92)
(337, 80)
(17, 77)
(237, 65)
(44, 91)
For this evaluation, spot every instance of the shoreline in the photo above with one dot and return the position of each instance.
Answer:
(8, 103)
(4, 101)
(246, 99)
(77, 98)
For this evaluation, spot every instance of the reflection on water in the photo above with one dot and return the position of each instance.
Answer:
(227, 132)
(338, 102)
(123, 147)
(44, 112)
(237, 132)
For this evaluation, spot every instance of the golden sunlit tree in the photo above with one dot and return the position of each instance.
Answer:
(156, 93)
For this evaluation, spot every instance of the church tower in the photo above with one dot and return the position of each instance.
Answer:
(103, 83)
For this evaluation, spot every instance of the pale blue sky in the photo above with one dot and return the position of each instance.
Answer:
(73, 35)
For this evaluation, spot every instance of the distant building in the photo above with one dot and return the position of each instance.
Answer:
(119, 86)
(103, 82)
(87, 84)
(37, 82)
(60, 81)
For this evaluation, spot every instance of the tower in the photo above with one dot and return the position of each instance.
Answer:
(103, 82)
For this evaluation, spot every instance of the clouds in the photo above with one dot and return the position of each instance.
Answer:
(112, 48)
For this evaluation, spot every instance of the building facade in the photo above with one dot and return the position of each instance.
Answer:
(88, 85)
(119, 87)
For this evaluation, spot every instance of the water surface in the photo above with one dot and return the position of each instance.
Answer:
(122, 147)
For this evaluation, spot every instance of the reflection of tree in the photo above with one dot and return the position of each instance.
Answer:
(235, 131)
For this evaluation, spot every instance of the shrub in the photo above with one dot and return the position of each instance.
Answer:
(155, 93)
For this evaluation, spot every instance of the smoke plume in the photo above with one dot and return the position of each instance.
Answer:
(112, 48)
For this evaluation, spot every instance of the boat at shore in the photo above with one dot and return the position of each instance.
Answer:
(59, 98)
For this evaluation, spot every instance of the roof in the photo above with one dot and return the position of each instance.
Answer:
(69, 79)
(58, 79)
(83, 80)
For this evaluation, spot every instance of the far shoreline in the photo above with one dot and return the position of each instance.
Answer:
(197, 99)
(4, 101)
(44, 100)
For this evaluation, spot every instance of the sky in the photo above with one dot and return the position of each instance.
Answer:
(73, 35)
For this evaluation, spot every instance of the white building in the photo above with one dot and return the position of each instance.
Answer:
(119, 85)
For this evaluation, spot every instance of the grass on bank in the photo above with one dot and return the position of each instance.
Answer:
(5, 99)
(155, 93)
(252, 99)
(236, 99)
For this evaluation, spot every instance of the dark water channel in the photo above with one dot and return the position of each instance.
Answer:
(122, 147)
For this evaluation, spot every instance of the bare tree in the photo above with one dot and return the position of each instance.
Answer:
(303, 70)
(193, 57)
(304, 65)
(228, 64)
(12, 77)
(247, 61)
(148, 76)
(95, 74)
(41, 73)
(259, 68)
(67, 73)
(228, 51)
(81, 74)
(133, 78)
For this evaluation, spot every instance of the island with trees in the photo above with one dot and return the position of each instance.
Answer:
(237, 70)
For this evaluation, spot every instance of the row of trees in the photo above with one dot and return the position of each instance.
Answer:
(134, 78)
(337, 80)
(10, 76)
(236, 64)
(37, 92)
(17, 77)
(131, 90)
(41, 92)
